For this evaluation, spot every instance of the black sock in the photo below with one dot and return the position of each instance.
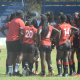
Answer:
(30, 66)
(50, 69)
(23, 63)
(7, 67)
(59, 66)
(43, 72)
(37, 63)
(70, 68)
(66, 69)
(74, 70)
(13, 68)
(78, 67)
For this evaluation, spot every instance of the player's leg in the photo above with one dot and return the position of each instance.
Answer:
(37, 61)
(48, 59)
(70, 63)
(78, 71)
(17, 49)
(60, 54)
(43, 58)
(31, 58)
(10, 56)
(66, 54)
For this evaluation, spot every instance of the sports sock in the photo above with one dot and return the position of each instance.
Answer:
(79, 67)
(10, 69)
(59, 66)
(74, 70)
(70, 67)
(66, 68)
(30, 66)
(17, 67)
(36, 64)
(7, 67)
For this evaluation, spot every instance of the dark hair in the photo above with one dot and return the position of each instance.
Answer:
(19, 13)
(34, 23)
(63, 18)
(44, 24)
(69, 18)
(50, 16)
(13, 15)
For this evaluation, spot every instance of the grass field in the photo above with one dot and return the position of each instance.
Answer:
(3, 55)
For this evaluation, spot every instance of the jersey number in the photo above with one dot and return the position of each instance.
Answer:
(66, 31)
(48, 35)
(29, 34)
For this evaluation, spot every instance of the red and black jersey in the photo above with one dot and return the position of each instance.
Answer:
(46, 40)
(65, 31)
(29, 32)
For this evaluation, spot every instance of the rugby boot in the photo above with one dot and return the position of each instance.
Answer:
(17, 74)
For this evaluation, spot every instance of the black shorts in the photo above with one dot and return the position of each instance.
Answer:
(36, 51)
(14, 46)
(76, 43)
(28, 48)
(45, 48)
(72, 48)
(65, 46)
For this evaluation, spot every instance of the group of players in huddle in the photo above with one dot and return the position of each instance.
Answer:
(25, 41)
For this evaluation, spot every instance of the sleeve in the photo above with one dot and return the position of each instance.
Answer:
(40, 27)
(21, 24)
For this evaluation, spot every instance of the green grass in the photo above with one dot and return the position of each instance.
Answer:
(3, 55)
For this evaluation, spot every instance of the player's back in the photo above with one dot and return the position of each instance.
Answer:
(29, 32)
(65, 31)
(46, 40)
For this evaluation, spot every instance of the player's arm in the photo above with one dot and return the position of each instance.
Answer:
(2, 30)
(57, 33)
(36, 38)
(21, 35)
(39, 34)
(76, 30)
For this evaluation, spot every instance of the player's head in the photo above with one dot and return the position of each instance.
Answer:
(32, 17)
(20, 14)
(63, 18)
(12, 16)
(69, 19)
(75, 15)
(78, 20)
(50, 16)
(44, 24)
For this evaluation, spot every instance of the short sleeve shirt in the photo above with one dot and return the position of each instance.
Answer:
(14, 27)
(65, 31)
(46, 40)
(29, 32)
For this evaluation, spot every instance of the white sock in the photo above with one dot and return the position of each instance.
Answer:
(17, 67)
(10, 69)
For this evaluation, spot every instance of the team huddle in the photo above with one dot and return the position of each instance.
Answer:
(26, 41)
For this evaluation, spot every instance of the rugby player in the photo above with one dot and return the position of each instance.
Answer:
(64, 45)
(69, 21)
(75, 41)
(12, 16)
(78, 55)
(13, 42)
(28, 37)
(44, 33)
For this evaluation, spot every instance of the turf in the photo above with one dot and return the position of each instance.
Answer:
(3, 55)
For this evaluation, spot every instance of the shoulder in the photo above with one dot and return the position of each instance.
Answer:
(40, 27)
(50, 26)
